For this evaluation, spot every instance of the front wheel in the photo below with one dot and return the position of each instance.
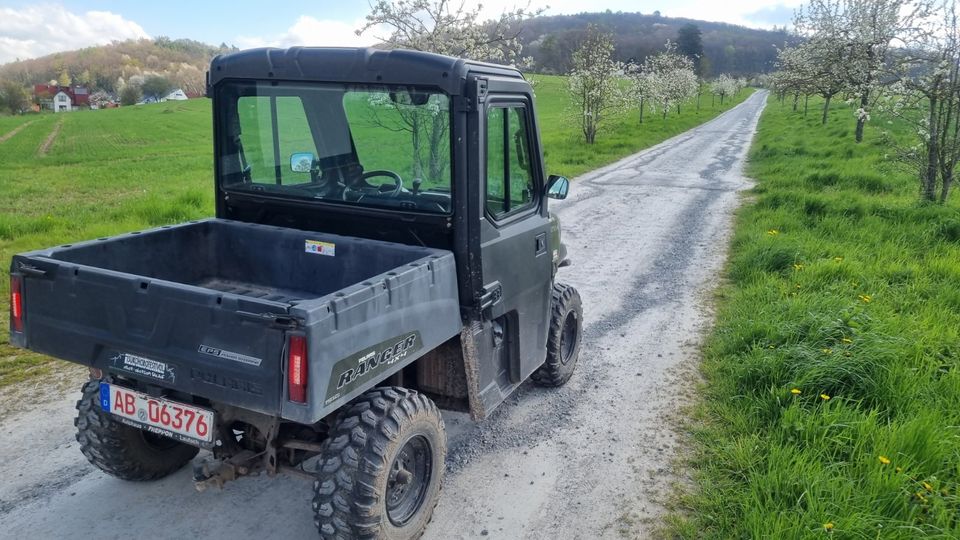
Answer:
(123, 451)
(381, 467)
(563, 337)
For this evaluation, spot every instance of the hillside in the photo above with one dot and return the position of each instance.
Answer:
(183, 61)
(728, 48)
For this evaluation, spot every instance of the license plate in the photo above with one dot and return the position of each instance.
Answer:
(176, 420)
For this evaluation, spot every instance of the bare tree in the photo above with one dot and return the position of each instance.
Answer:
(596, 82)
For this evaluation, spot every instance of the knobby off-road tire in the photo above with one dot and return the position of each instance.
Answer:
(123, 451)
(563, 338)
(381, 468)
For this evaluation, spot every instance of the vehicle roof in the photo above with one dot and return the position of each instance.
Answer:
(352, 65)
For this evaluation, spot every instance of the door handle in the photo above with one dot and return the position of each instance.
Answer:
(541, 243)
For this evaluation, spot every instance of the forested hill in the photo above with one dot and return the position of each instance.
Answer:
(549, 40)
(727, 48)
(183, 61)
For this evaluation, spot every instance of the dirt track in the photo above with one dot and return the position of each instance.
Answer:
(590, 460)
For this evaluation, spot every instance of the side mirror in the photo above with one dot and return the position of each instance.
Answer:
(301, 162)
(557, 187)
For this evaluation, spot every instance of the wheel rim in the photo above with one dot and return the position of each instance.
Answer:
(568, 337)
(409, 479)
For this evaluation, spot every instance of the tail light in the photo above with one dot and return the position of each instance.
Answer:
(297, 369)
(16, 303)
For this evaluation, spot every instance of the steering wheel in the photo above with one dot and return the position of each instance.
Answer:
(362, 187)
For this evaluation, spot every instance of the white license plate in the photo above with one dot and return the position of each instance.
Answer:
(177, 420)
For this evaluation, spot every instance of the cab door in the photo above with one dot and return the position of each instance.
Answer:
(514, 236)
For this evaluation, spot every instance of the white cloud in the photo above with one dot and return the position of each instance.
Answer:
(308, 30)
(43, 29)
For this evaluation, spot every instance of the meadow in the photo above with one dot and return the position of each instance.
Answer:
(831, 401)
(118, 170)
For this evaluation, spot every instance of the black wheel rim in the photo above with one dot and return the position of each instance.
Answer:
(568, 337)
(409, 479)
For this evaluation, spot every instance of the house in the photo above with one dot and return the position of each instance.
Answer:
(61, 98)
(176, 95)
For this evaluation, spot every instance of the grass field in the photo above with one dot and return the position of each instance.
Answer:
(125, 169)
(832, 396)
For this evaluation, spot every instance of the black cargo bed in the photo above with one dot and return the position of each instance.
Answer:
(176, 295)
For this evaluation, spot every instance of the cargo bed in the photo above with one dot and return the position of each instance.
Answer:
(207, 308)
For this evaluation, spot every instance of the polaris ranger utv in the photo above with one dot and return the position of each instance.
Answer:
(381, 244)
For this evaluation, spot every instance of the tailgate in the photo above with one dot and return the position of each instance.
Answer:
(223, 347)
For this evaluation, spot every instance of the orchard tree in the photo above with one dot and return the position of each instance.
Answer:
(724, 86)
(442, 27)
(864, 30)
(451, 28)
(927, 95)
(595, 84)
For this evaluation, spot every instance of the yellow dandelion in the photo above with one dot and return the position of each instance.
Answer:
(928, 487)
(798, 285)
(866, 298)
(838, 259)
(826, 351)
(846, 340)
(920, 496)
(884, 459)
(795, 391)
(798, 266)
(828, 526)
(899, 469)
(824, 397)
(773, 232)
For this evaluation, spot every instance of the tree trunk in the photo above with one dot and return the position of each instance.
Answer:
(641, 110)
(826, 109)
(438, 158)
(945, 189)
(806, 99)
(698, 98)
(678, 109)
(861, 120)
(796, 99)
(415, 128)
(933, 151)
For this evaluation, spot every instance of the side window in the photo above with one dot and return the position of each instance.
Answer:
(510, 185)
(269, 158)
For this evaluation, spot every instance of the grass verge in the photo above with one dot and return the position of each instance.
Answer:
(832, 397)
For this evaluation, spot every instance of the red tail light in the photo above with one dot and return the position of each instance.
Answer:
(297, 369)
(16, 303)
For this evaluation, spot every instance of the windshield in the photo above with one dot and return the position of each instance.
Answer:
(374, 146)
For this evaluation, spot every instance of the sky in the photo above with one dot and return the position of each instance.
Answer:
(32, 28)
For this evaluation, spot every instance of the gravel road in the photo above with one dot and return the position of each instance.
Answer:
(594, 459)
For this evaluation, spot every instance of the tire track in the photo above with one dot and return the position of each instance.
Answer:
(44, 147)
(13, 132)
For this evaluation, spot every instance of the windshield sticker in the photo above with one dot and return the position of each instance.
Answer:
(228, 355)
(139, 365)
(321, 248)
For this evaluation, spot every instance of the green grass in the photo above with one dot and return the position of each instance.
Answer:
(840, 284)
(119, 170)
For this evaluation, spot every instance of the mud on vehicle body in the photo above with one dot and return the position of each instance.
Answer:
(381, 246)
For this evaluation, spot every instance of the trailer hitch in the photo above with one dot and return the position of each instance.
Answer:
(218, 472)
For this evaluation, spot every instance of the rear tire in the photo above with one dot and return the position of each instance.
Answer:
(122, 451)
(563, 338)
(381, 468)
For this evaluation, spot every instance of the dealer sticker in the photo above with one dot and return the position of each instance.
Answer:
(229, 355)
(146, 367)
(320, 248)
